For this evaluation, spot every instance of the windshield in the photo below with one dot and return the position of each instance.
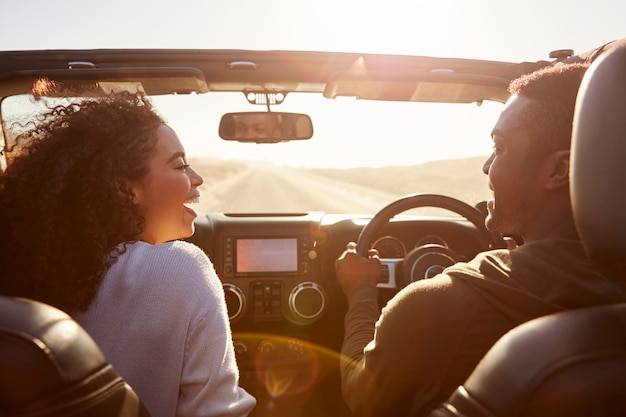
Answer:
(363, 154)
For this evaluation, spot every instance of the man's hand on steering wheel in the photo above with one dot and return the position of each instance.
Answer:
(354, 270)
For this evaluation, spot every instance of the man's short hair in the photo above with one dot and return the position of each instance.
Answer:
(553, 90)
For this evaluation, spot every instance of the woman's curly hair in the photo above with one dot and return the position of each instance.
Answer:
(65, 200)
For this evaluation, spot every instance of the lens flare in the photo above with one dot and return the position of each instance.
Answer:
(286, 366)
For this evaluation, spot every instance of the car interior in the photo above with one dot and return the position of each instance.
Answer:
(284, 303)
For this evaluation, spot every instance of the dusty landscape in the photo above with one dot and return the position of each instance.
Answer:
(238, 186)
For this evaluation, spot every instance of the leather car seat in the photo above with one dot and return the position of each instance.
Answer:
(565, 364)
(50, 366)
(571, 363)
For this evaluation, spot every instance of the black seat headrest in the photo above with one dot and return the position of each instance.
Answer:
(598, 167)
(50, 366)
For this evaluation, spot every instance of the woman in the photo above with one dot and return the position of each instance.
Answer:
(91, 206)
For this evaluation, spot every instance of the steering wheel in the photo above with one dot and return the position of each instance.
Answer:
(428, 260)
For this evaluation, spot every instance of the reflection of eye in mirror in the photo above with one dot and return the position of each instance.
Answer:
(266, 127)
(258, 126)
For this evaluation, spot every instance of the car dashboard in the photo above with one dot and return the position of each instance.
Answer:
(284, 303)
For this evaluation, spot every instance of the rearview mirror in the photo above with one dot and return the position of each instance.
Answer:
(265, 127)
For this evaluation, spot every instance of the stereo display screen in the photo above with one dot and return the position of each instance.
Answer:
(266, 255)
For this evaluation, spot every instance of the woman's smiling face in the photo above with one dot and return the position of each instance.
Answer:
(161, 196)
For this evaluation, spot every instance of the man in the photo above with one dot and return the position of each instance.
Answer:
(258, 126)
(427, 340)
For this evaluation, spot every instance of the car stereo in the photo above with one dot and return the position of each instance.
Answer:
(266, 256)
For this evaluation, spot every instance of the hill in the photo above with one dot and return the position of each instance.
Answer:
(459, 178)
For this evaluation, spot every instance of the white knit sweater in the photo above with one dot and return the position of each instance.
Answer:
(160, 318)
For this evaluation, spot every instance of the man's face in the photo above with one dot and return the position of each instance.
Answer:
(261, 126)
(514, 170)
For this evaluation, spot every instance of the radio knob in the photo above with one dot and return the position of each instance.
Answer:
(307, 302)
(241, 350)
(235, 302)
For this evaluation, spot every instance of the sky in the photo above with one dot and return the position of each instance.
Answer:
(484, 29)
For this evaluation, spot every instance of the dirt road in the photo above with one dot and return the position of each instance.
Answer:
(266, 188)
